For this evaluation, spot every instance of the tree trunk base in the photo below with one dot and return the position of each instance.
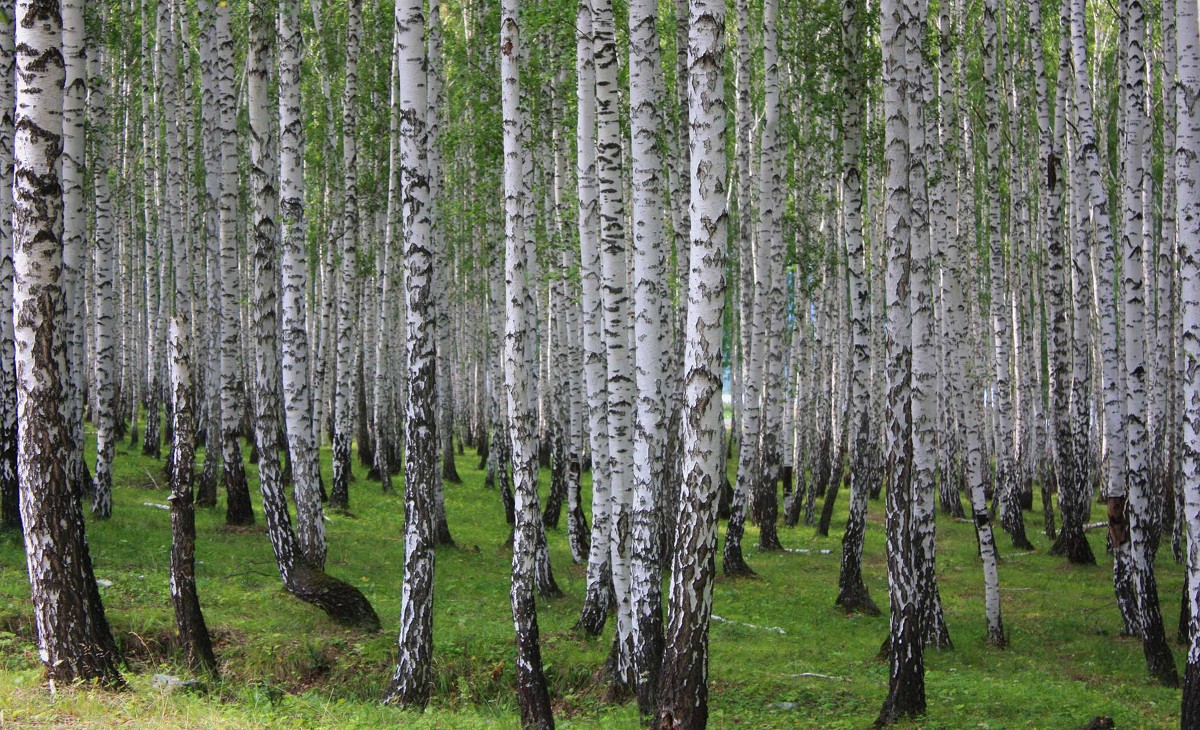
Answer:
(857, 599)
(593, 616)
(1190, 719)
(1075, 547)
(341, 601)
(735, 565)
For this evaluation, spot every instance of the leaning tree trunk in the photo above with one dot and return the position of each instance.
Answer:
(74, 230)
(1011, 517)
(412, 681)
(74, 640)
(619, 383)
(753, 285)
(189, 620)
(341, 601)
(683, 688)
(772, 250)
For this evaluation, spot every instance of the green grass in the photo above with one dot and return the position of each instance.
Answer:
(285, 665)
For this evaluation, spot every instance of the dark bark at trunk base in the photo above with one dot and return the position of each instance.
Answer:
(1190, 716)
(238, 510)
(906, 686)
(449, 467)
(620, 688)
(595, 606)
(341, 601)
(1184, 620)
(857, 599)
(831, 495)
(533, 696)
(189, 619)
(1075, 547)
(339, 496)
(558, 486)
(1048, 513)
(482, 449)
(1159, 661)
(151, 444)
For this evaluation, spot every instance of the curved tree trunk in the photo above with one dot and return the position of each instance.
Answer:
(341, 601)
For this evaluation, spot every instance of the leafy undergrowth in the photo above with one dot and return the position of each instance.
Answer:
(285, 665)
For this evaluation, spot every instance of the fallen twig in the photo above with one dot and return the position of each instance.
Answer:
(152, 479)
(155, 505)
(802, 551)
(776, 629)
(819, 676)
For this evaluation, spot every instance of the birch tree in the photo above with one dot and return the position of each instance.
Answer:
(649, 273)
(413, 679)
(10, 512)
(344, 370)
(1187, 174)
(74, 640)
(906, 675)
(297, 393)
(683, 688)
(532, 693)
(237, 509)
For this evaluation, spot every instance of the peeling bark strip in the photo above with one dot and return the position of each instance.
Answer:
(412, 681)
(683, 691)
(74, 640)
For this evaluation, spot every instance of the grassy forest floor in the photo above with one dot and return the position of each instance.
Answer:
(284, 664)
